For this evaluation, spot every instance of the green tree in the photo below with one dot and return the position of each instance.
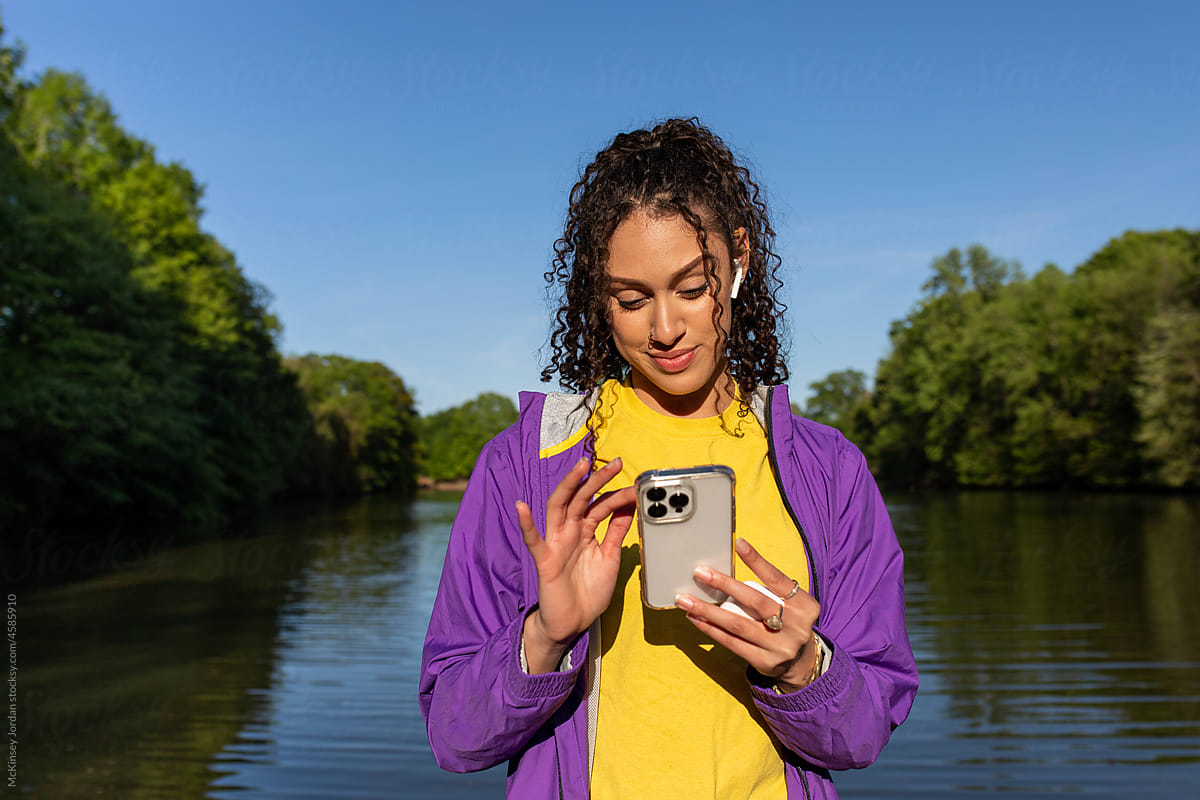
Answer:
(97, 414)
(949, 278)
(97, 420)
(1085, 379)
(988, 273)
(926, 385)
(451, 439)
(250, 409)
(833, 399)
(141, 368)
(366, 418)
(1168, 396)
(1167, 386)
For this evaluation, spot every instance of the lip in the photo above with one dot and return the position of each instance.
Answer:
(674, 360)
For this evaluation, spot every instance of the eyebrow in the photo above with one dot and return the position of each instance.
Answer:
(678, 275)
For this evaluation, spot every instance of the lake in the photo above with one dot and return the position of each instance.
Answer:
(1055, 634)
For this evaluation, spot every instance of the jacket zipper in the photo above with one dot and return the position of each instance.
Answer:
(787, 504)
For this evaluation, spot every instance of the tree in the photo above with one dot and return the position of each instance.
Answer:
(249, 407)
(833, 398)
(97, 418)
(366, 416)
(452, 438)
(1168, 396)
(1090, 379)
(988, 273)
(948, 277)
(1167, 386)
(141, 367)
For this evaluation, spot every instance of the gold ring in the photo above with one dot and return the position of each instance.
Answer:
(795, 588)
(774, 622)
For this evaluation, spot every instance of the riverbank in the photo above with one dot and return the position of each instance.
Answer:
(427, 484)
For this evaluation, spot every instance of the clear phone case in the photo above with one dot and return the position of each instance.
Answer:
(685, 520)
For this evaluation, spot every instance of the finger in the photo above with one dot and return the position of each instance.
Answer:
(768, 573)
(619, 525)
(769, 652)
(733, 632)
(771, 661)
(748, 597)
(610, 502)
(588, 489)
(556, 505)
(737, 624)
(533, 541)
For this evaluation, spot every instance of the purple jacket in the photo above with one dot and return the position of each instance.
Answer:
(481, 708)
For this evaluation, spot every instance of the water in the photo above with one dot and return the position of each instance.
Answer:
(1054, 634)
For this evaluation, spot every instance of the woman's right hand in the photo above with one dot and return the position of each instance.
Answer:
(576, 573)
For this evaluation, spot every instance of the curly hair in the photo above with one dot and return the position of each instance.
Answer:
(678, 168)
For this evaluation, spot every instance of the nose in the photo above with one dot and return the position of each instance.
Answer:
(668, 324)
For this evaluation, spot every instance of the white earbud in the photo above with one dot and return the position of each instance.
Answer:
(737, 279)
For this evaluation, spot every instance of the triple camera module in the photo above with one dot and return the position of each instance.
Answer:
(668, 507)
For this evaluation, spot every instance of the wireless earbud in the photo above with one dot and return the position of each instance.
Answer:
(737, 279)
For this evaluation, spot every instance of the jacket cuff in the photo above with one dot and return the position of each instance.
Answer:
(546, 684)
(825, 688)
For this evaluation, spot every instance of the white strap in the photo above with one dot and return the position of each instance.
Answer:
(593, 700)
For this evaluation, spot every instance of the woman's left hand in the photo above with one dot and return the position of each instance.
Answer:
(787, 655)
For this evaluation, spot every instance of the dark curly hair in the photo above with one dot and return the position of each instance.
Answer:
(679, 167)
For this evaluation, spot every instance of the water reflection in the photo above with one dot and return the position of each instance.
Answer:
(1052, 637)
(129, 681)
(1052, 633)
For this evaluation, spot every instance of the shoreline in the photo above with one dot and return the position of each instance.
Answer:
(427, 484)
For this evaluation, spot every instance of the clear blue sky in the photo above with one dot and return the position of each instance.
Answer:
(395, 173)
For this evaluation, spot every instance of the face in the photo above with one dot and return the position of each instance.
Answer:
(661, 311)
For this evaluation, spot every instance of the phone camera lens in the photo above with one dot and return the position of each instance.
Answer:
(678, 501)
(657, 494)
(657, 510)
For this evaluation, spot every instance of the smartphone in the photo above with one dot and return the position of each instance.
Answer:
(685, 520)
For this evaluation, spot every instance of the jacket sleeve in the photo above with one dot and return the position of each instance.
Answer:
(480, 707)
(843, 719)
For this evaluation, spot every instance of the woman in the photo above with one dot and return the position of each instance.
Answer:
(539, 651)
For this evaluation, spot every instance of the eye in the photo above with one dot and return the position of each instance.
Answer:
(694, 292)
(631, 303)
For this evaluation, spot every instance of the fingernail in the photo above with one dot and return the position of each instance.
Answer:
(743, 547)
(684, 602)
(616, 461)
(704, 573)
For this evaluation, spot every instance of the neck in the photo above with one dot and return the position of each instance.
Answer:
(707, 401)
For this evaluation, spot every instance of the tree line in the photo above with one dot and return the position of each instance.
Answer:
(995, 379)
(140, 375)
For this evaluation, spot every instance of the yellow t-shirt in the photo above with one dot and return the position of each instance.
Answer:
(676, 718)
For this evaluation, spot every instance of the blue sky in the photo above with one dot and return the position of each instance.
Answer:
(395, 174)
